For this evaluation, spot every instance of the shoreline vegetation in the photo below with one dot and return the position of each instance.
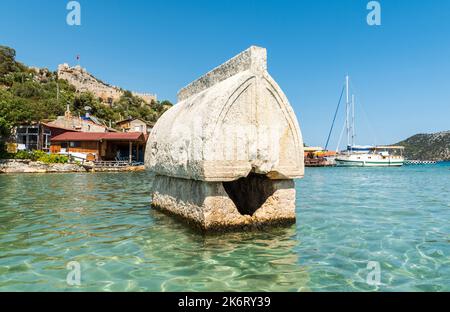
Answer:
(40, 156)
(36, 162)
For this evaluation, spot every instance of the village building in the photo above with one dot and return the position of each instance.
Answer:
(134, 125)
(108, 146)
(38, 135)
(30, 137)
(35, 136)
(85, 123)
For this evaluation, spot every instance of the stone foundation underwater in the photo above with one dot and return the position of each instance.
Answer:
(248, 203)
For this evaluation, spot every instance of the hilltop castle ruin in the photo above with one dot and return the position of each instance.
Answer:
(83, 81)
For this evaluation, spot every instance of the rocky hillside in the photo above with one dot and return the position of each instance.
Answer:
(83, 81)
(434, 146)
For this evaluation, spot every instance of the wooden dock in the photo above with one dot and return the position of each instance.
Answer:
(419, 162)
(318, 162)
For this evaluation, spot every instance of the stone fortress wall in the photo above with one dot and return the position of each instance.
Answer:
(83, 81)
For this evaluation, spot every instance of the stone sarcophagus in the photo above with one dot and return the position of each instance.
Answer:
(226, 154)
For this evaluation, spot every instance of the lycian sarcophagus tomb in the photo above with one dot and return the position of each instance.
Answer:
(226, 154)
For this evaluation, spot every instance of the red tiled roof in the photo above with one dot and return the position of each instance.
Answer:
(94, 136)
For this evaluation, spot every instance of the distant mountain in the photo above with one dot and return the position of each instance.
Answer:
(435, 146)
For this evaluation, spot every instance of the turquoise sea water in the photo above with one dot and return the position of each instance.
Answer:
(399, 218)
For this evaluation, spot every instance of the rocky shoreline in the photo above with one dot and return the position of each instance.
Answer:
(28, 166)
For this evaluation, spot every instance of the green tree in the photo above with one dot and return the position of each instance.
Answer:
(28, 89)
(4, 127)
(8, 62)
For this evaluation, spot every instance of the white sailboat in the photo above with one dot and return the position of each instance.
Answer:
(365, 156)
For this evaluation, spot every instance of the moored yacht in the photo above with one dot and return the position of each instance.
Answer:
(376, 156)
(365, 156)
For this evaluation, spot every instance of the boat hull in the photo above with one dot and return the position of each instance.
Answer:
(368, 163)
(361, 161)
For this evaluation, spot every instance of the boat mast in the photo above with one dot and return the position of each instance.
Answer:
(347, 110)
(353, 120)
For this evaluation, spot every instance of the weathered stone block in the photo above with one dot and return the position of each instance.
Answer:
(226, 154)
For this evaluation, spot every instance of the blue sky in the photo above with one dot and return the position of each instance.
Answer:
(400, 70)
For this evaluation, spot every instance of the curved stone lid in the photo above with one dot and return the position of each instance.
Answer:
(232, 121)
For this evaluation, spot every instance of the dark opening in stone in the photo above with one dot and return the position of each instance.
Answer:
(250, 193)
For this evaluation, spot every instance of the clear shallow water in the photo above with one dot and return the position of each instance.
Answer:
(347, 217)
